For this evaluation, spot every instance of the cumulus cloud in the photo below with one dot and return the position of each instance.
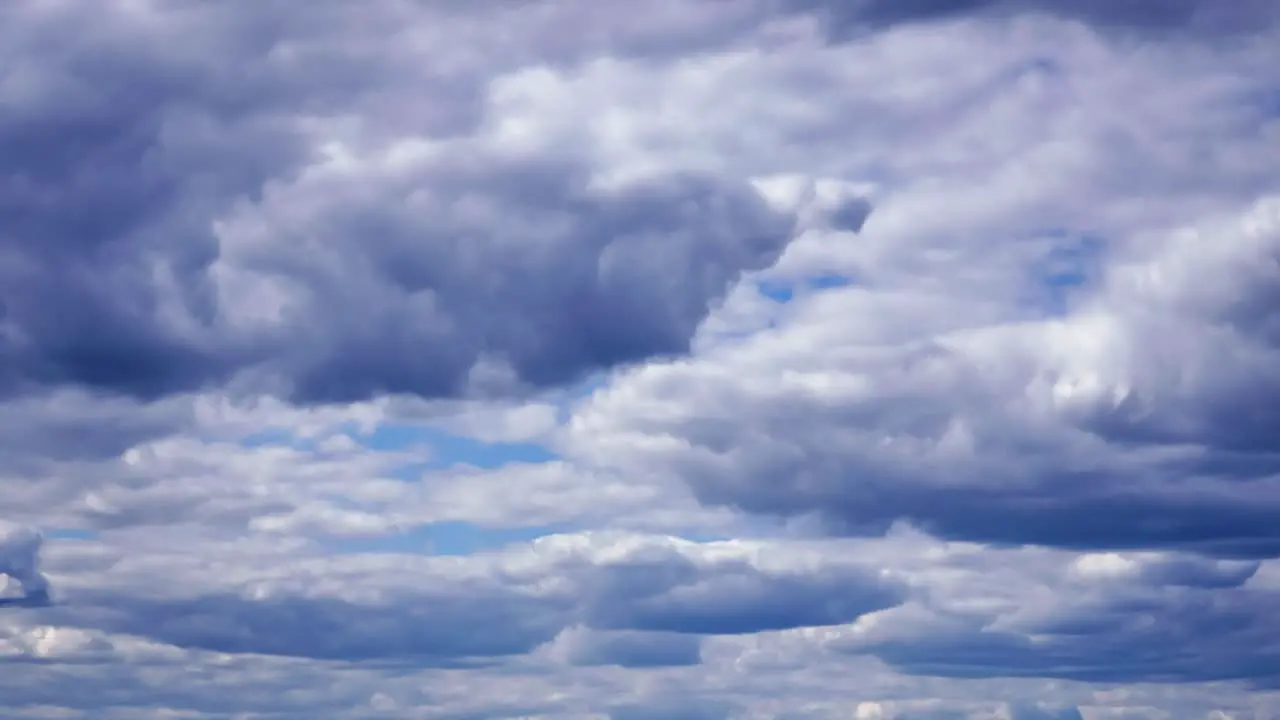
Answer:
(281, 231)
(297, 230)
(20, 564)
(1141, 418)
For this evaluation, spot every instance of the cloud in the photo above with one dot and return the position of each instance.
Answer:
(239, 230)
(784, 674)
(20, 563)
(943, 332)
(1032, 711)
(582, 647)
(1142, 418)
(1198, 17)
(654, 604)
(1125, 618)
(518, 259)
(639, 590)
(669, 592)
(689, 709)
(75, 426)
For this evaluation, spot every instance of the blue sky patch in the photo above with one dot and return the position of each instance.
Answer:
(276, 436)
(445, 538)
(448, 449)
(1073, 263)
(783, 292)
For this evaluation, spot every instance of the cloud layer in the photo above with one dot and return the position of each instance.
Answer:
(727, 359)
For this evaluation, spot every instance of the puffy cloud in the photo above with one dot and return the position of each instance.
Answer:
(284, 232)
(1036, 343)
(306, 230)
(1142, 418)
(20, 564)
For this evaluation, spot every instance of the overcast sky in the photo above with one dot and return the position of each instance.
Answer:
(640, 359)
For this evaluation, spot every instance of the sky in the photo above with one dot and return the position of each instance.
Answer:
(605, 360)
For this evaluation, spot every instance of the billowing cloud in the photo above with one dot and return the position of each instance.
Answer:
(196, 195)
(20, 565)
(1144, 418)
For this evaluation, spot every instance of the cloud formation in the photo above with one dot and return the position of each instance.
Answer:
(282, 233)
(729, 359)
(20, 565)
(1141, 419)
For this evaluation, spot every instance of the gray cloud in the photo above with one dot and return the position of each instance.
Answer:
(1084, 611)
(443, 610)
(631, 649)
(518, 261)
(1040, 711)
(1144, 417)
(20, 561)
(39, 430)
(1098, 618)
(145, 241)
(1194, 17)
(671, 593)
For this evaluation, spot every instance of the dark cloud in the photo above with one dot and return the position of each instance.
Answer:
(645, 604)
(1103, 618)
(76, 426)
(20, 563)
(1029, 711)
(1160, 16)
(1175, 648)
(433, 631)
(131, 138)
(517, 261)
(671, 593)
(588, 648)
